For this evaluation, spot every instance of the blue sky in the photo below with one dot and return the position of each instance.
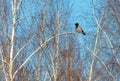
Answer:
(82, 13)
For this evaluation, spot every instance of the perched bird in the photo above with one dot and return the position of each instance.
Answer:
(79, 29)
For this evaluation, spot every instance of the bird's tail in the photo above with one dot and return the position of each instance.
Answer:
(83, 33)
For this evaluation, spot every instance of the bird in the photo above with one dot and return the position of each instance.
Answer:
(79, 29)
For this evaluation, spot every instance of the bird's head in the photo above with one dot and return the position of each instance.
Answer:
(76, 24)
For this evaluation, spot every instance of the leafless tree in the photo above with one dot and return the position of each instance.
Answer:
(36, 43)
